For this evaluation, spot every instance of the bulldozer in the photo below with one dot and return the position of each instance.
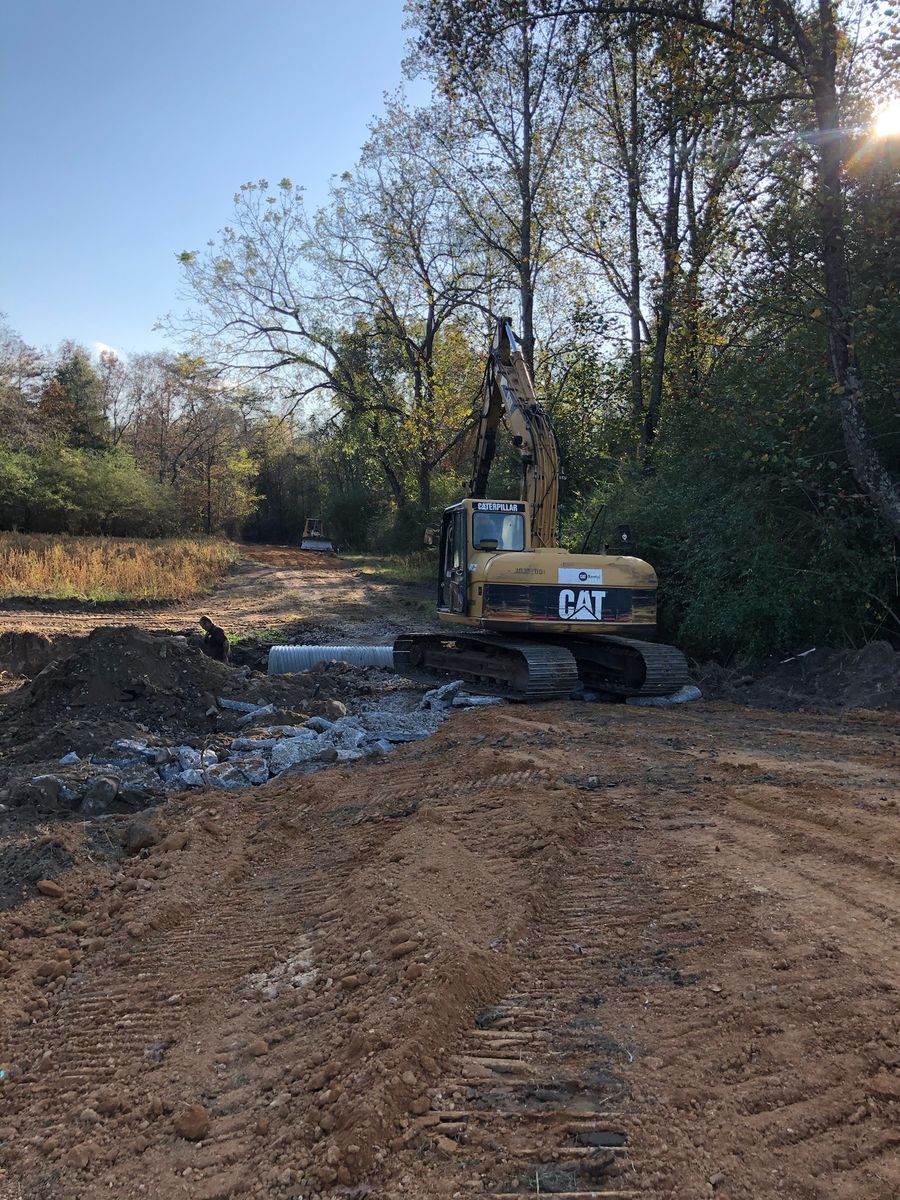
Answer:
(534, 621)
(314, 536)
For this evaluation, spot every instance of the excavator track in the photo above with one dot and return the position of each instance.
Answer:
(538, 670)
(626, 667)
(519, 670)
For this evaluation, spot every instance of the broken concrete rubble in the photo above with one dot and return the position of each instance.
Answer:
(136, 771)
(441, 697)
(225, 775)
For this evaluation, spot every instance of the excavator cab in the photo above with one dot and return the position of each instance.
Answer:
(499, 531)
(476, 527)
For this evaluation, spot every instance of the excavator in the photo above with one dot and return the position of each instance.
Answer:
(540, 622)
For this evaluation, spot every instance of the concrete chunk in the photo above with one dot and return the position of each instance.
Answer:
(255, 768)
(225, 775)
(267, 710)
(682, 696)
(242, 706)
(441, 697)
(320, 725)
(291, 751)
(188, 758)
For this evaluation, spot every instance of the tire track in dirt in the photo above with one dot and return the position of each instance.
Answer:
(171, 1006)
(759, 1023)
(610, 934)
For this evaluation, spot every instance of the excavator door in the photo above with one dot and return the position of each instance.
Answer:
(452, 590)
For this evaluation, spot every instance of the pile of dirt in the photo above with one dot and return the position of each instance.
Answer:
(24, 654)
(131, 716)
(819, 680)
(121, 681)
(24, 865)
(286, 1065)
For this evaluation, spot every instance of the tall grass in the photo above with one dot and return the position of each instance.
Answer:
(51, 567)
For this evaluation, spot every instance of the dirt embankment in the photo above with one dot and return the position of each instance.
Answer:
(560, 949)
(817, 680)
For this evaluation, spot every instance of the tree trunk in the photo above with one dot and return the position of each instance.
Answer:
(209, 467)
(634, 249)
(667, 290)
(424, 485)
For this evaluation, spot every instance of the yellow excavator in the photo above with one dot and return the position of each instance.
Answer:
(541, 622)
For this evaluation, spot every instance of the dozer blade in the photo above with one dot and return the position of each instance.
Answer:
(320, 544)
(519, 670)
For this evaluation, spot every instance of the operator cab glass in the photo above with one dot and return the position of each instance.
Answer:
(498, 531)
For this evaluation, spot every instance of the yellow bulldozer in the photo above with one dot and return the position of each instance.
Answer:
(315, 537)
(541, 622)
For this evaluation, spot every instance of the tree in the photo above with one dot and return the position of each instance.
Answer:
(72, 402)
(807, 50)
(350, 305)
(499, 135)
(21, 374)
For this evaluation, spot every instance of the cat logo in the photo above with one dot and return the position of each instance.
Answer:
(584, 605)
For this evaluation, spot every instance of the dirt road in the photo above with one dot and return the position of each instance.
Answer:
(270, 588)
(569, 949)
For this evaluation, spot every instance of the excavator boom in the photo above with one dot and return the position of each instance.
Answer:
(509, 392)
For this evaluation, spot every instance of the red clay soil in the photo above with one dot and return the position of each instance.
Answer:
(568, 949)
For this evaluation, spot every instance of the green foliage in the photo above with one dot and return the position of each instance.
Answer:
(761, 542)
(73, 406)
(63, 490)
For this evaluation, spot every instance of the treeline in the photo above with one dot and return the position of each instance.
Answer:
(688, 215)
(152, 446)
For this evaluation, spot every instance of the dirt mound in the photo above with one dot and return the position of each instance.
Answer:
(354, 949)
(128, 666)
(819, 680)
(121, 681)
(27, 653)
(130, 716)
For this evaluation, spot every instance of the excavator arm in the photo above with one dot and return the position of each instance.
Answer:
(509, 395)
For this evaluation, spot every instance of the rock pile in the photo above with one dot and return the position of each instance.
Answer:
(246, 742)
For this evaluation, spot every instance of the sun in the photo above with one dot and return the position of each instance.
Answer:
(887, 120)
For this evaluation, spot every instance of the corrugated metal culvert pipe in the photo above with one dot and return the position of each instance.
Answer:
(284, 660)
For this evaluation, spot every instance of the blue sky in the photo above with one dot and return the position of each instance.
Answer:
(128, 125)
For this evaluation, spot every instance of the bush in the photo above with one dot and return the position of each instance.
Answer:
(758, 550)
(63, 490)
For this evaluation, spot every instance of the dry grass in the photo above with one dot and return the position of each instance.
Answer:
(51, 567)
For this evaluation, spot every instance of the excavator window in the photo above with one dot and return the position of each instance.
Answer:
(498, 531)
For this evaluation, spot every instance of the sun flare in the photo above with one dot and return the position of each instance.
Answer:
(887, 120)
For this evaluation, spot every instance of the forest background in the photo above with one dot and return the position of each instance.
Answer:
(691, 214)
